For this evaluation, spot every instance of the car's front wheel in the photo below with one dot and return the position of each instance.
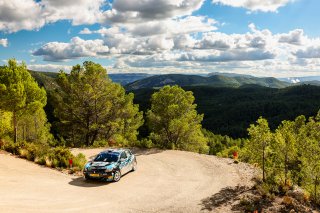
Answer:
(134, 167)
(87, 177)
(116, 176)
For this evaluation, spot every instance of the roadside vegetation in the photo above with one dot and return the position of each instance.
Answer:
(88, 110)
(288, 157)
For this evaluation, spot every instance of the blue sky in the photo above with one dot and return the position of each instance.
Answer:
(279, 38)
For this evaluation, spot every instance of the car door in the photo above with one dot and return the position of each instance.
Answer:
(124, 163)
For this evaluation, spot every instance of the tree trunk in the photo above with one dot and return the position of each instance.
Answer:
(24, 133)
(15, 127)
(286, 169)
(263, 166)
(87, 139)
(35, 128)
(315, 189)
(94, 137)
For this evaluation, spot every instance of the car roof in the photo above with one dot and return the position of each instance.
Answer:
(118, 150)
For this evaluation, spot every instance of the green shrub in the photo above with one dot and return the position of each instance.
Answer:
(228, 153)
(12, 147)
(60, 156)
(100, 143)
(40, 160)
(32, 151)
(79, 161)
(144, 143)
(57, 157)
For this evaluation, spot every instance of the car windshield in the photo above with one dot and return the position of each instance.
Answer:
(107, 157)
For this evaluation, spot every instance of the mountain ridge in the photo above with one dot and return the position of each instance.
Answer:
(212, 80)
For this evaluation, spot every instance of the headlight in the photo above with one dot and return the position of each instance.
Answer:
(87, 167)
(109, 168)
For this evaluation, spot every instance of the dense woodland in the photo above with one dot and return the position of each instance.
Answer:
(230, 111)
(277, 129)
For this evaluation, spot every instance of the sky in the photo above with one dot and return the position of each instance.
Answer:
(279, 38)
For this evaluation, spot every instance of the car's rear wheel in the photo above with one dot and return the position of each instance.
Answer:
(116, 176)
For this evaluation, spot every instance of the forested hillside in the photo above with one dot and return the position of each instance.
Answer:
(229, 111)
(212, 80)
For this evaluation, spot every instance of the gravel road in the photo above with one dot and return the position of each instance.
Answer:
(166, 181)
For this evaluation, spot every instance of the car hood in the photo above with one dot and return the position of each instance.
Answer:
(101, 164)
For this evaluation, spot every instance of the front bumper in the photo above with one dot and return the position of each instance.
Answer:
(98, 175)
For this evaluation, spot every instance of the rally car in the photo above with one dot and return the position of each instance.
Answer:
(110, 165)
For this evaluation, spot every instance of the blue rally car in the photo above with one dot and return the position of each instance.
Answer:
(110, 165)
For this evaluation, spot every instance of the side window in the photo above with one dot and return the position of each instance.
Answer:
(123, 155)
(128, 153)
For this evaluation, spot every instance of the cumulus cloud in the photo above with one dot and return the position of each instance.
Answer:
(309, 52)
(295, 37)
(59, 51)
(18, 15)
(183, 49)
(79, 12)
(210, 47)
(231, 55)
(185, 25)
(49, 67)
(85, 31)
(255, 5)
(140, 39)
(4, 42)
(162, 34)
(137, 10)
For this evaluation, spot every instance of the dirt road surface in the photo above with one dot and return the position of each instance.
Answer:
(166, 181)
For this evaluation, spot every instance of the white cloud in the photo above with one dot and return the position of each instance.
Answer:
(49, 67)
(4, 42)
(79, 12)
(255, 5)
(163, 35)
(16, 15)
(295, 37)
(170, 27)
(231, 55)
(309, 52)
(136, 10)
(139, 39)
(59, 51)
(85, 31)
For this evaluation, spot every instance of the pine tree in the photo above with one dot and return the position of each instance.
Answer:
(91, 107)
(174, 121)
(19, 92)
(259, 144)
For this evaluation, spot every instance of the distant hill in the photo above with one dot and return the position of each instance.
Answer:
(126, 78)
(213, 81)
(120, 78)
(229, 104)
(228, 74)
(45, 79)
(314, 83)
(230, 111)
